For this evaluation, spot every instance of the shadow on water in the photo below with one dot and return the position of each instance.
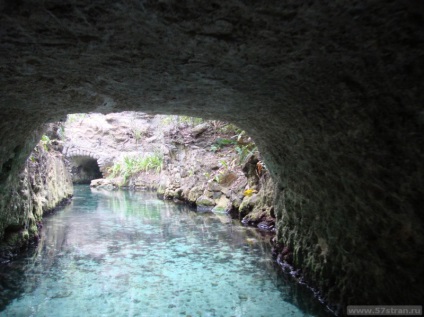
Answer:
(127, 253)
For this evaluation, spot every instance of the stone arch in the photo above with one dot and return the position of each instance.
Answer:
(331, 93)
(85, 165)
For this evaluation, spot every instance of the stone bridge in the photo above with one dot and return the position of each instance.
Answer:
(72, 152)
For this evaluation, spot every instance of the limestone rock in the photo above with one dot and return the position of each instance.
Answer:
(223, 205)
(204, 201)
(194, 194)
(104, 184)
(214, 187)
(199, 129)
(42, 185)
(247, 205)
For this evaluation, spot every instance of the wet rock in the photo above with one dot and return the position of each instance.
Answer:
(247, 205)
(178, 194)
(223, 205)
(205, 201)
(266, 225)
(226, 192)
(208, 193)
(236, 202)
(194, 194)
(169, 193)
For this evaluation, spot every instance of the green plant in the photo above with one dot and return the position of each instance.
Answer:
(220, 143)
(244, 151)
(45, 142)
(154, 162)
(130, 166)
(115, 169)
(224, 163)
(240, 135)
(137, 132)
(214, 148)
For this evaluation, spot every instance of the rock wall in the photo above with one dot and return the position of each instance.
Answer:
(40, 187)
(201, 165)
(217, 182)
(330, 91)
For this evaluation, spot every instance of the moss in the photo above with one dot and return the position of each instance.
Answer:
(33, 230)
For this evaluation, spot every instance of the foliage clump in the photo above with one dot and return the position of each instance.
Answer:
(131, 165)
(45, 142)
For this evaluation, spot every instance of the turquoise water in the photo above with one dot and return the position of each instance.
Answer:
(130, 254)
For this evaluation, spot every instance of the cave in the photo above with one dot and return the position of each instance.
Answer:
(331, 93)
(84, 169)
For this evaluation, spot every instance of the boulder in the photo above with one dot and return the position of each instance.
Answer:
(223, 205)
(199, 129)
(103, 183)
(247, 205)
(194, 194)
(205, 201)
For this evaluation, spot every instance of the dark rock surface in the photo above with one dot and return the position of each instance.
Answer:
(330, 91)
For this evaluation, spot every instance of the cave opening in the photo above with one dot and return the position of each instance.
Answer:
(84, 169)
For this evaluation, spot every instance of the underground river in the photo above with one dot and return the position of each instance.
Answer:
(129, 254)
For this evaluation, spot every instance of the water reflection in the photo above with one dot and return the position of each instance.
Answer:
(129, 254)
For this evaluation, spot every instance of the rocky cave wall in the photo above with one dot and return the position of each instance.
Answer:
(330, 91)
(206, 164)
(42, 185)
